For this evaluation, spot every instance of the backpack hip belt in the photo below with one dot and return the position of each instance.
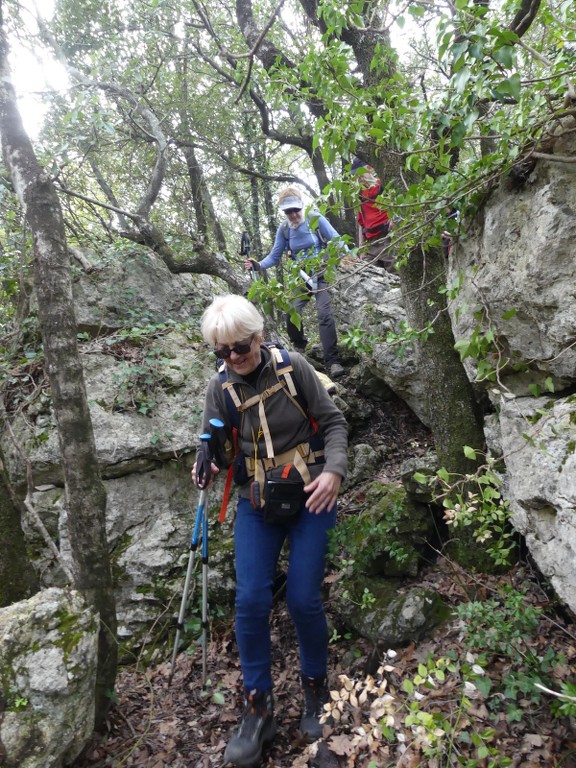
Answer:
(301, 454)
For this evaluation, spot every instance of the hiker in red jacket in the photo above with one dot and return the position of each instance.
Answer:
(373, 221)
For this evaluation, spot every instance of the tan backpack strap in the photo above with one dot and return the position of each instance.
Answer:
(299, 456)
(228, 386)
(303, 470)
(260, 478)
(284, 382)
(265, 429)
(260, 398)
(284, 371)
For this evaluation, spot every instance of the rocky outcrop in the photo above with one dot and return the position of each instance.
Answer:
(135, 287)
(517, 271)
(538, 438)
(146, 370)
(369, 298)
(48, 650)
(517, 268)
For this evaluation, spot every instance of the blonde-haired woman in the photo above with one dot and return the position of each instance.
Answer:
(266, 413)
(300, 240)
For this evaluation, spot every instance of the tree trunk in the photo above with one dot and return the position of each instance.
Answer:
(85, 492)
(454, 416)
(17, 577)
(206, 218)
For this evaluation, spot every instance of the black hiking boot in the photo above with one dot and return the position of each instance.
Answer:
(315, 696)
(257, 727)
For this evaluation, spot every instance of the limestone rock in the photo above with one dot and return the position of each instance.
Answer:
(395, 617)
(370, 298)
(48, 653)
(539, 444)
(516, 266)
(135, 288)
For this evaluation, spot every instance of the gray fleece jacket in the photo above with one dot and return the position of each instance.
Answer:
(287, 425)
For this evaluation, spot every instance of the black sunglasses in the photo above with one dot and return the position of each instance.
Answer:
(288, 211)
(241, 348)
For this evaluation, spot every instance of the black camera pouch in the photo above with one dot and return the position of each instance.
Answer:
(284, 495)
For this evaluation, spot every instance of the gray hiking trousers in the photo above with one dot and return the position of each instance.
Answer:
(326, 324)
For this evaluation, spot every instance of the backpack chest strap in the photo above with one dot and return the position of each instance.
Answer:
(259, 400)
(285, 382)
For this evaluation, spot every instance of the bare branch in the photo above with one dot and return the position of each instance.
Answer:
(524, 17)
(554, 158)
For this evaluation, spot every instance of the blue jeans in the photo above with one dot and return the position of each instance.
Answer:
(257, 547)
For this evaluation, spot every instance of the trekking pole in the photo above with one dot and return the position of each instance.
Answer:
(245, 249)
(204, 598)
(203, 476)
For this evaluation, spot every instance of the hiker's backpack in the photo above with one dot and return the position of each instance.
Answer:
(317, 232)
(286, 382)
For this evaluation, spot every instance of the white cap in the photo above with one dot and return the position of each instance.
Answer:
(291, 202)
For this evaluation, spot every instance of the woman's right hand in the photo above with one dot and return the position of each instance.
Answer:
(251, 264)
(214, 471)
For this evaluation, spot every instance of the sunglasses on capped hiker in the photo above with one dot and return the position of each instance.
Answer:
(289, 211)
(240, 348)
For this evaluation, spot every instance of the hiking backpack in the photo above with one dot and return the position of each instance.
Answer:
(288, 383)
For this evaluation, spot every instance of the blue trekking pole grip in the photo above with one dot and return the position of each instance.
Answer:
(216, 442)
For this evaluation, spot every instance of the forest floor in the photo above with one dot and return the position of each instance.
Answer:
(437, 720)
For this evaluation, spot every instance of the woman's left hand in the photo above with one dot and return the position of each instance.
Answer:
(323, 492)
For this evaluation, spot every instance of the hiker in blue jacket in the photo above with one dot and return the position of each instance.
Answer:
(300, 239)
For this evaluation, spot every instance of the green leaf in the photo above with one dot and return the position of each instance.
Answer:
(443, 474)
(535, 390)
(461, 79)
(416, 11)
(515, 86)
(477, 50)
(510, 87)
(505, 56)
(462, 346)
(483, 684)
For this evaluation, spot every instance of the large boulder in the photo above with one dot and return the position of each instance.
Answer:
(538, 438)
(146, 396)
(369, 298)
(134, 288)
(516, 267)
(388, 613)
(146, 369)
(48, 655)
